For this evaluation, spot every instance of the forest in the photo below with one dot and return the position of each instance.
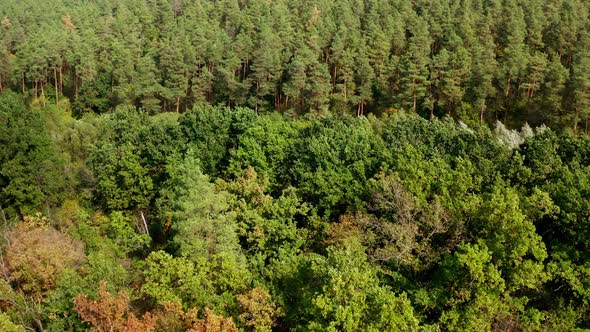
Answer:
(305, 165)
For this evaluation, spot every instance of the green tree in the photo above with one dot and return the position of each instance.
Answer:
(581, 85)
(414, 72)
(30, 168)
(205, 232)
(351, 297)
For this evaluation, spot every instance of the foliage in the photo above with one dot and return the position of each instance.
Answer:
(37, 254)
(112, 313)
(351, 297)
(8, 326)
(199, 167)
(30, 168)
(259, 312)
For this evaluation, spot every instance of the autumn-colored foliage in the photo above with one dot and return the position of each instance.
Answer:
(112, 313)
(37, 253)
(259, 312)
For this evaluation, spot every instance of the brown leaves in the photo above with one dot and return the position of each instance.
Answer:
(213, 323)
(259, 312)
(112, 313)
(171, 318)
(68, 24)
(37, 253)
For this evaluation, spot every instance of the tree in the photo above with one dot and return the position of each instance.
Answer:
(414, 66)
(266, 69)
(205, 232)
(174, 71)
(449, 71)
(514, 60)
(333, 161)
(554, 88)
(176, 279)
(581, 85)
(265, 147)
(213, 132)
(8, 326)
(30, 169)
(484, 66)
(267, 226)
(172, 318)
(122, 182)
(112, 313)
(146, 84)
(37, 254)
(259, 312)
(351, 297)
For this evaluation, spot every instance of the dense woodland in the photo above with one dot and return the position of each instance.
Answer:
(308, 165)
(478, 60)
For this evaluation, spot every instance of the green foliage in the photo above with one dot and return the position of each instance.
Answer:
(8, 326)
(213, 132)
(122, 182)
(479, 61)
(351, 298)
(170, 279)
(128, 160)
(30, 168)
(512, 239)
(124, 234)
(333, 161)
(305, 218)
(205, 234)
(266, 148)
(267, 226)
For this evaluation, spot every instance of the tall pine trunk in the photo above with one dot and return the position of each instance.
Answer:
(576, 117)
(56, 87)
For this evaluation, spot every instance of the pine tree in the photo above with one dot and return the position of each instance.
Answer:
(514, 58)
(266, 67)
(484, 67)
(580, 82)
(553, 89)
(174, 71)
(414, 66)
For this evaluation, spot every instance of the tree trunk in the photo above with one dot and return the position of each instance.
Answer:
(577, 114)
(56, 87)
(177, 104)
(335, 73)
(61, 80)
(507, 92)
(481, 115)
(257, 89)
(345, 89)
(42, 92)
(76, 83)
(145, 224)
